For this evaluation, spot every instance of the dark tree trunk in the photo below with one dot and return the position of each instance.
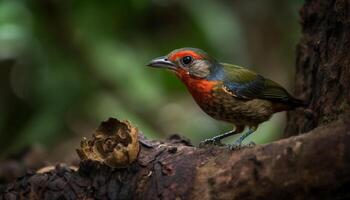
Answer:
(315, 165)
(323, 65)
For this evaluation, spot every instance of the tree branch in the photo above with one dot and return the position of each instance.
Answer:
(315, 165)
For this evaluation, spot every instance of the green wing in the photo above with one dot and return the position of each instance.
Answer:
(246, 84)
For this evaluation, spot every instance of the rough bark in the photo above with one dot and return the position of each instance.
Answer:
(323, 64)
(314, 165)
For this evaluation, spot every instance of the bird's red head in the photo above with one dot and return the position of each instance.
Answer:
(194, 67)
(186, 63)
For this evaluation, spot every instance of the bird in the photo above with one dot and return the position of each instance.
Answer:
(227, 92)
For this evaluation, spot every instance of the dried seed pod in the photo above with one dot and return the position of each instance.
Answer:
(114, 143)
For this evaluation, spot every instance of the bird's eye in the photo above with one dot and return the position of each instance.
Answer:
(186, 60)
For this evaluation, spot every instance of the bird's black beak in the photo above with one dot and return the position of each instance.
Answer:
(162, 62)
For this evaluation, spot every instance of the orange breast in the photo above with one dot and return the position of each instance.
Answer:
(200, 89)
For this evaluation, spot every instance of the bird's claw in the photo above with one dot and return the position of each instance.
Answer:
(251, 144)
(236, 146)
(210, 142)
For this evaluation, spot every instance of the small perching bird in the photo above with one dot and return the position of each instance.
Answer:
(227, 92)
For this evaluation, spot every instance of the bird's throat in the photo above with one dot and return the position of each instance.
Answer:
(201, 89)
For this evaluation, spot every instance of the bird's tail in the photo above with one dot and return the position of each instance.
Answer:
(289, 103)
(297, 103)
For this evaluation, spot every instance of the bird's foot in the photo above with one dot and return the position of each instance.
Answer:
(251, 144)
(210, 142)
(237, 145)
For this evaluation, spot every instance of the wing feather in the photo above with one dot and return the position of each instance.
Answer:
(246, 84)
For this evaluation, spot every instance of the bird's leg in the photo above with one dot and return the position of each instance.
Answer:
(238, 143)
(216, 140)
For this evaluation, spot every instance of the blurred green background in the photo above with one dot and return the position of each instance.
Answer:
(65, 66)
